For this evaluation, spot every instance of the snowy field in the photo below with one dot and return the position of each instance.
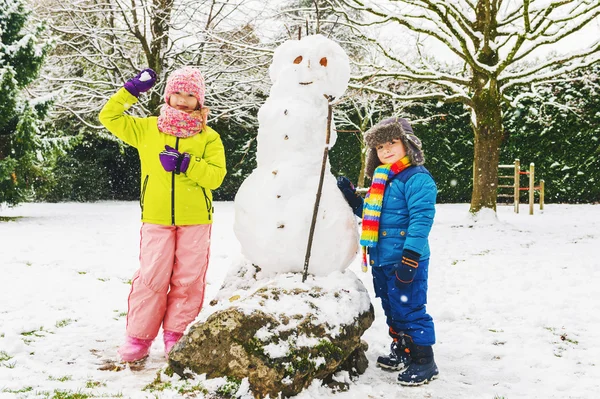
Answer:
(515, 300)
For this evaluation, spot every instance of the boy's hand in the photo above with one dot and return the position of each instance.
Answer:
(173, 160)
(354, 200)
(406, 270)
(141, 83)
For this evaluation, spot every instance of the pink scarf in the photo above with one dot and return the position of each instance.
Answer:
(178, 123)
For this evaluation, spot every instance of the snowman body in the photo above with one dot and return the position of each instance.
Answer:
(274, 205)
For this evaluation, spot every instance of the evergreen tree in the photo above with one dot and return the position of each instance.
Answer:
(21, 56)
(557, 127)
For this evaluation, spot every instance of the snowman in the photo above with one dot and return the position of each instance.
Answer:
(274, 205)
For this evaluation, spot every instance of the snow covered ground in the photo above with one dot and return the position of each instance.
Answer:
(515, 300)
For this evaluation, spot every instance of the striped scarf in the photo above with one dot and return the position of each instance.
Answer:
(374, 202)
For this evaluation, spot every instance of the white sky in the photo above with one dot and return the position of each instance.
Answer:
(502, 293)
(576, 41)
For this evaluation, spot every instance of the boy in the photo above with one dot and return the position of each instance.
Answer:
(397, 214)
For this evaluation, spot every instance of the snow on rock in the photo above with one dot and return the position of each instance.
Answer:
(279, 333)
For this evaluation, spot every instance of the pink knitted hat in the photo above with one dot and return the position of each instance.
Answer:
(188, 80)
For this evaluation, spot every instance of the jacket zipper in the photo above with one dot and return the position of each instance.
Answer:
(143, 196)
(173, 188)
(209, 208)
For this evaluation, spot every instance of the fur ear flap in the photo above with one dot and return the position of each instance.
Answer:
(413, 147)
(414, 140)
(371, 162)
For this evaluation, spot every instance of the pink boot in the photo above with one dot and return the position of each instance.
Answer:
(134, 349)
(170, 338)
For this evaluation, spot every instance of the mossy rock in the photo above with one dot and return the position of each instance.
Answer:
(279, 352)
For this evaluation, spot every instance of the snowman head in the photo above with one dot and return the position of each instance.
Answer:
(314, 65)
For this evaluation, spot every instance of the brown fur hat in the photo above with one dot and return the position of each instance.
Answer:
(386, 131)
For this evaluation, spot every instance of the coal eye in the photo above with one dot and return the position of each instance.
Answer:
(323, 61)
(298, 60)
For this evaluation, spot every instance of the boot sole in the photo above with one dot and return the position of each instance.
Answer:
(140, 360)
(416, 384)
(391, 368)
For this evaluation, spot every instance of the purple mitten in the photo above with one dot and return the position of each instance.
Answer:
(141, 83)
(173, 160)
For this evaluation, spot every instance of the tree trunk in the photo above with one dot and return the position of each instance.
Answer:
(485, 169)
(161, 21)
(488, 131)
(4, 146)
(487, 112)
(364, 124)
(361, 176)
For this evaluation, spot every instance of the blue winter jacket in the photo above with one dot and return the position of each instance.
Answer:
(406, 216)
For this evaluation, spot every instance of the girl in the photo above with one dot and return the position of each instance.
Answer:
(182, 160)
(397, 217)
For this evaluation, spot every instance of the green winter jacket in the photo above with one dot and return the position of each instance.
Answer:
(167, 198)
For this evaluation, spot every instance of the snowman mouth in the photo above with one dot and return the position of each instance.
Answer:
(306, 83)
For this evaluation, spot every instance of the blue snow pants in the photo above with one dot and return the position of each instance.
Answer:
(404, 306)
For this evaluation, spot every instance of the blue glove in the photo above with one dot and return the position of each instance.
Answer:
(406, 270)
(352, 198)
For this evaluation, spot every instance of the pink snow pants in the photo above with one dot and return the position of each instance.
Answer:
(169, 286)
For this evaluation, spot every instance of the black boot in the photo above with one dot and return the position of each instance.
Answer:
(422, 369)
(398, 359)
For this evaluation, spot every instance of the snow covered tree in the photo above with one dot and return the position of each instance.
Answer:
(21, 55)
(307, 17)
(102, 44)
(99, 45)
(496, 46)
